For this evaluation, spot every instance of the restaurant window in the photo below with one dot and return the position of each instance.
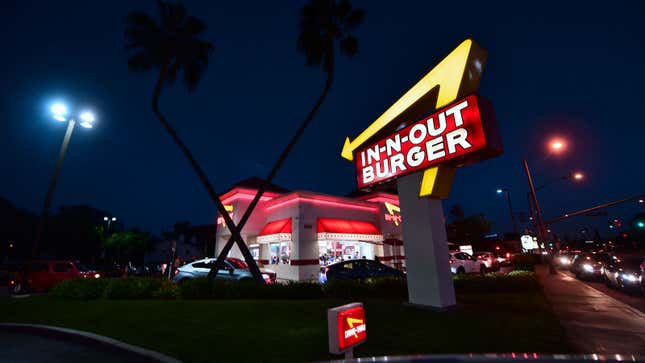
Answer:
(280, 253)
(255, 251)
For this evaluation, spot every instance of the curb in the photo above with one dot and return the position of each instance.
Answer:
(82, 337)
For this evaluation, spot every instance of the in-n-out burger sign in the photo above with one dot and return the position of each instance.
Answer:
(462, 131)
(346, 327)
(458, 133)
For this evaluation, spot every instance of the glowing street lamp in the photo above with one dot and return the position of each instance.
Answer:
(557, 145)
(60, 112)
(578, 176)
(109, 221)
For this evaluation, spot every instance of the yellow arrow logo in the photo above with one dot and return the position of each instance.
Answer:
(449, 75)
(456, 75)
(352, 321)
(391, 208)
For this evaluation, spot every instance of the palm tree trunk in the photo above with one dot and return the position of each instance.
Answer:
(285, 153)
(253, 267)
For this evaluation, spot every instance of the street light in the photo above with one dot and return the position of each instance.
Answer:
(109, 221)
(60, 112)
(507, 194)
(556, 145)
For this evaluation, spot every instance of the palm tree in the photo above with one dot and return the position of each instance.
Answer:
(323, 23)
(173, 46)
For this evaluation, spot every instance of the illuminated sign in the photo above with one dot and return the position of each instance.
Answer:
(528, 242)
(346, 327)
(441, 145)
(229, 209)
(391, 216)
(460, 133)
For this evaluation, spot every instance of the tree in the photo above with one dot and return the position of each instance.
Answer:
(129, 246)
(173, 46)
(323, 23)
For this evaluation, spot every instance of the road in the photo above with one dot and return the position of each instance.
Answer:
(634, 300)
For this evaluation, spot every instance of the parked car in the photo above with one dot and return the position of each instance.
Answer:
(489, 259)
(358, 269)
(228, 271)
(88, 271)
(238, 263)
(587, 265)
(623, 272)
(463, 263)
(42, 276)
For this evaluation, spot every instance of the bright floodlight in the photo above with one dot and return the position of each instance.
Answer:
(499, 191)
(59, 110)
(578, 176)
(87, 117)
(86, 124)
(113, 219)
(105, 218)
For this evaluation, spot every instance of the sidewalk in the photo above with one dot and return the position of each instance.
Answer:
(594, 322)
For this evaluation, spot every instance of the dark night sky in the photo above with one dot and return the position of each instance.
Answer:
(574, 70)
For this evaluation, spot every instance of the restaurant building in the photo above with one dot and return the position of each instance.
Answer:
(296, 232)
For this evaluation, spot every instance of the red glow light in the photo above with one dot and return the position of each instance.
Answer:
(322, 202)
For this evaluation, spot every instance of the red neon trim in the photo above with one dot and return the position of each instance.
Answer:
(381, 198)
(245, 194)
(322, 202)
(275, 227)
(345, 226)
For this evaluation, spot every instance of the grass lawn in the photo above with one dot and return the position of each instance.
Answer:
(295, 330)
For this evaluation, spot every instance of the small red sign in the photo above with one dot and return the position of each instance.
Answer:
(458, 134)
(347, 327)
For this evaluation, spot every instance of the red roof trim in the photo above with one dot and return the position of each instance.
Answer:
(275, 227)
(346, 226)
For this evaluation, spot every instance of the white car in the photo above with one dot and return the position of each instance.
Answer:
(488, 258)
(232, 270)
(463, 263)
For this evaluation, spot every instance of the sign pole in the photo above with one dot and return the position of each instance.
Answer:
(426, 246)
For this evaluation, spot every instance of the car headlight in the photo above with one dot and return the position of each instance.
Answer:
(96, 276)
(564, 260)
(629, 277)
(587, 267)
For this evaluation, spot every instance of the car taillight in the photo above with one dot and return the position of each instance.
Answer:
(12, 282)
(326, 269)
(451, 260)
(176, 272)
(508, 255)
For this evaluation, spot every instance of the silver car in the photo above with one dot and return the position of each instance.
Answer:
(201, 268)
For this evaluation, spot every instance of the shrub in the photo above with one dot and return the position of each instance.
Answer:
(80, 288)
(524, 262)
(515, 281)
(201, 288)
(137, 288)
(381, 287)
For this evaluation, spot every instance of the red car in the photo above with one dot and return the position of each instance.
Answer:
(43, 275)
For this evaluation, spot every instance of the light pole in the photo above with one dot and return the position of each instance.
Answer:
(109, 221)
(507, 194)
(556, 146)
(60, 113)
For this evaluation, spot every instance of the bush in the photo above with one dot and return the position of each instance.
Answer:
(515, 281)
(201, 288)
(138, 288)
(382, 287)
(80, 288)
(525, 262)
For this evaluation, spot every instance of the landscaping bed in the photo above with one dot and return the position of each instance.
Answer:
(274, 329)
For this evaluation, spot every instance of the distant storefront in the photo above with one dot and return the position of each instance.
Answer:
(296, 233)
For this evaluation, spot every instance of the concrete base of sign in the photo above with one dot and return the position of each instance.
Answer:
(426, 246)
(456, 307)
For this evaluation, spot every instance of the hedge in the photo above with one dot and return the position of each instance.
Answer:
(202, 288)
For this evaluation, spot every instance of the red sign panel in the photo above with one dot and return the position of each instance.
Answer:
(347, 327)
(458, 134)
